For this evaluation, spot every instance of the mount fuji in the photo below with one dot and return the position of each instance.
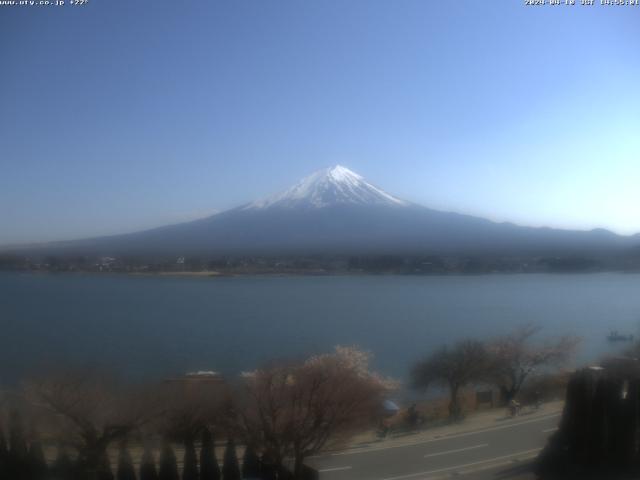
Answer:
(326, 188)
(336, 211)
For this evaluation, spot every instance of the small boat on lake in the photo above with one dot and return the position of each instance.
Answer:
(614, 336)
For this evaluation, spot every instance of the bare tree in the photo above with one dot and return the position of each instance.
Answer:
(293, 411)
(189, 405)
(89, 410)
(513, 358)
(454, 368)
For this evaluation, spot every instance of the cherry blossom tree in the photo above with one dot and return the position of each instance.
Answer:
(514, 357)
(295, 410)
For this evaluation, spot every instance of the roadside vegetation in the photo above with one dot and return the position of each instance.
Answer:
(506, 363)
(90, 425)
(262, 425)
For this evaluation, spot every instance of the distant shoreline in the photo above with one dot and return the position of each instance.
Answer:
(267, 274)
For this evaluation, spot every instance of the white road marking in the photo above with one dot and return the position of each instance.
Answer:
(456, 450)
(550, 430)
(334, 469)
(456, 467)
(447, 437)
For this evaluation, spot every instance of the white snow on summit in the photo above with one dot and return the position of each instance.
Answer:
(332, 186)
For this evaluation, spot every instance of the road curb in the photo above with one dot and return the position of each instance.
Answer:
(517, 459)
(490, 464)
(372, 447)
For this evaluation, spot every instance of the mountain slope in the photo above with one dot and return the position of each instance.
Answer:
(334, 186)
(337, 211)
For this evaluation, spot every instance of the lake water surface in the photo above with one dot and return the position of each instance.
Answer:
(164, 325)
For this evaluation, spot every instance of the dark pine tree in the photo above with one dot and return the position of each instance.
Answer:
(104, 468)
(4, 454)
(230, 466)
(125, 465)
(190, 461)
(268, 468)
(250, 464)
(168, 464)
(62, 468)
(16, 465)
(209, 468)
(148, 466)
(284, 474)
(35, 459)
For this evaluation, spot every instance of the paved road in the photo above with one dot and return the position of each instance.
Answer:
(480, 454)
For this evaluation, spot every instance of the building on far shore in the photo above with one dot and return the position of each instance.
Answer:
(201, 380)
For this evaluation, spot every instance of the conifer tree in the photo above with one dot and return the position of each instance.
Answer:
(104, 468)
(168, 464)
(37, 465)
(230, 467)
(284, 473)
(268, 468)
(16, 464)
(209, 468)
(62, 468)
(250, 464)
(4, 453)
(125, 465)
(148, 469)
(190, 461)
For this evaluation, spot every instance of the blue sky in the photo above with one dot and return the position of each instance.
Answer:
(121, 115)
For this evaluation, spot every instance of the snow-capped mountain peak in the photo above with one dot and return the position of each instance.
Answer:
(328, 187)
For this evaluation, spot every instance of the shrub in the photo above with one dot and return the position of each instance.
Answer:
(125, 465)
(230, 467)
(168, 464)
(209, 468)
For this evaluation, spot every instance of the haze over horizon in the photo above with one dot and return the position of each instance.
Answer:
(168, 113)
